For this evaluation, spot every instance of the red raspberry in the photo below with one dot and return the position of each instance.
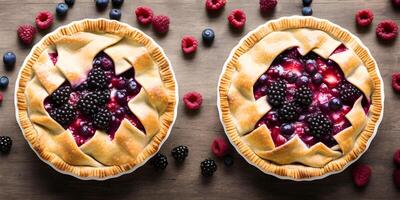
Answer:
(161, 24)
(364, 17)
(237, 18)
(44, 20)
(396, 82)
(387, 30)
(193, 100)
(220, 147)
(26, 33)
(267, 5)
(361, 175)
(215, 5)
(189, 44)
(144, 15)
(396, 158)
(1, 97)
(396, 177)
(396, 3)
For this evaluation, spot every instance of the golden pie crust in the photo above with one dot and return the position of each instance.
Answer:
(239, 111)
(77, 44)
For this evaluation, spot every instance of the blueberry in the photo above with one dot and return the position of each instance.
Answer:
(335, 104)
(9, 59)
(61, 9)
(117, 3)
(302, 80)
(120, 112)
(115, 14)
(287, 129)
(317, 78)
(307, 11)
(291, 77)
(228, 160)
(311, 66)
(3, 82)
(263, 79)
(121, 97)
(208, 35)
(87, 131)
(70, 3)
(97, 63)
(132, 87)
(102, 4)
(307, 2)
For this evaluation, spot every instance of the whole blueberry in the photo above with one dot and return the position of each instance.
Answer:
(311, 66)
(228, 160)
(263, 79)
(287, 129)
(291, 77)
(70, 3)
(121, 97)
(9, 59)
(307, 11)
(208, 35)
(120, 112)
(115, 14)
(335, 104)
(117, 3)
(317, 78)
(307, 2)
(3, 82)
(61, 9)
(302, 80)
(87, 130)
(102, 4)
(132, 87)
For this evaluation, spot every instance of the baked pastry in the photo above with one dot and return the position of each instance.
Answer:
(96, 98)
(300, 98)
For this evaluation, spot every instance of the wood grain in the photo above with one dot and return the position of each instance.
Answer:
(23, 175)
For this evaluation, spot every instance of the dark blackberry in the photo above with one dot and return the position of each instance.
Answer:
(64, 115)
(288, 112)
(88, 104)
(61, 95)
(348, 92)
(303, 96)
(159, 161)
(5, 144)
(319, 125)
(103, 96)
(102, 119)
(180, 152)
(276, 93)
(97, 79)
(208, 167)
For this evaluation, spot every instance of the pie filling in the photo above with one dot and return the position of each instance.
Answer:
(99, 103)
(309, 97)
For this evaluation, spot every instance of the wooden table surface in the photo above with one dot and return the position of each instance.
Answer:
(23, 175)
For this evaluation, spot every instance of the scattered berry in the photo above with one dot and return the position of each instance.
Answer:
(387, 30)
(361, 175)
(102, 119)
(26, 33)
(215, 5)
(319, 125)
(396, 158)
(70, 3)
(102, 4)
(364, 17)
(228, 160)
(144, 15)
(208, 167)
(61, 9)
(396, 178)
(267, 5)
(161, 24)
(180, 152)
(208, 35)
(3, 82)
(5, 144)
(189, 44)
(276, 93)
(237, 19)
(396, 3)
(9, 60)
(307, 11)
(396, 82)
(44, 20)
(117, 3)
(193, 100)
(115, 14)
(219, 147)
(307, 2)
(159, 161)
(1, 97)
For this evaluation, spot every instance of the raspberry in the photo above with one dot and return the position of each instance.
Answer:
(396, 177)
(237, 18)
(361, 175)
(215, 5)
(44, 20)
(386, 30)
(26, 33)
(144, 15)
(161, 24)
(219, 147)
(364, 17)
(193, 100)
(396, 158)
(1, 97)
(267, 5)
(189, 44)
(396, 81)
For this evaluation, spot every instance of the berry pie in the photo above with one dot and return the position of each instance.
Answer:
(300, 98)
(96, 99)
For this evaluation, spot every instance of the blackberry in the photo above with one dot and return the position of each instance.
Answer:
(303, 96)
(159, 161)
(61, 95)
(5, 144)
(288, 112)
(180, 152)
(102, 119)
(348, 92)
(64, 115)
(276, 93)
(208, 167)
(102, 96)
(319, 125)
(97, 79)
(88, 104)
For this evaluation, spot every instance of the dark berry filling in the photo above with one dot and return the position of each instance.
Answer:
(99, 103)
(309, 96)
